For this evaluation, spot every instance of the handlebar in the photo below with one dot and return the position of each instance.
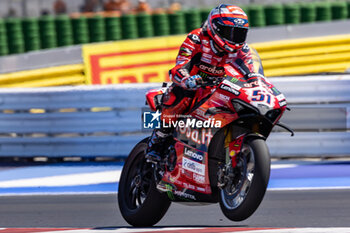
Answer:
(211, 81)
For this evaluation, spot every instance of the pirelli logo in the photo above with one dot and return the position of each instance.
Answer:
(133, 61)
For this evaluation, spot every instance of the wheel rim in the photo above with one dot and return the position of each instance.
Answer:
(138, 182)
(234, 194)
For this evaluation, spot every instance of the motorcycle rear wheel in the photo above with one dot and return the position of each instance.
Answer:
(240, 202)
(140, 203)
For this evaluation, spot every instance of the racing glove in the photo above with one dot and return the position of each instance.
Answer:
(192, 82)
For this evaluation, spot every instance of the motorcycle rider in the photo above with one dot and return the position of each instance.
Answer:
(203, 55)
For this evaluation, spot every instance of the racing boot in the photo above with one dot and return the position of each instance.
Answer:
(155, 145)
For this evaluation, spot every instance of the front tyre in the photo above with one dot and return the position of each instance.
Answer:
(140, 203)
(241, 198)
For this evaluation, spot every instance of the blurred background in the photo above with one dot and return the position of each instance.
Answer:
(57, 56)
(31, 8)
(73, 74)
(84, 46)
(30, 25)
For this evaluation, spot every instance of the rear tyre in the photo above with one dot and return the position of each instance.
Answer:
(140, 203)
(240, 201)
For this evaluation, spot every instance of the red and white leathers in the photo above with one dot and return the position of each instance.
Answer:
(198, 56)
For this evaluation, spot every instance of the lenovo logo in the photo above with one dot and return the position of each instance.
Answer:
(193, 155)
(229, 89)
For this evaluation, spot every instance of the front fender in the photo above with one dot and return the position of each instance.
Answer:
(252, 136)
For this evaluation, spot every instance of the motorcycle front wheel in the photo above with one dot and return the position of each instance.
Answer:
(242, 196)
(140, 203)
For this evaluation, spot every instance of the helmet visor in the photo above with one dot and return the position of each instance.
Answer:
(233, 35)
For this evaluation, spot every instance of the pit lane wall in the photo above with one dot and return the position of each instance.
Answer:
(149, 60)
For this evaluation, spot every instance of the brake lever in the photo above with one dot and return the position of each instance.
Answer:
(280, 124)
(213, 81)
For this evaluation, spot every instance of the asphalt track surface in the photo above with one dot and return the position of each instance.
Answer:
(297, 208)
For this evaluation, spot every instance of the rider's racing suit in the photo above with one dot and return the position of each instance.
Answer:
(196, 57)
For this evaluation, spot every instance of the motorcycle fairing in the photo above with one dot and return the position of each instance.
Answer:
(189, 181)
(255, 93)
(190, 170)
(153, 97)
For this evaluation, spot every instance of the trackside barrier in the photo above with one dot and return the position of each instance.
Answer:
(53, 76)
(91, 121)
(149, 60)
(305, 56)
(70, 121)
(320, 116)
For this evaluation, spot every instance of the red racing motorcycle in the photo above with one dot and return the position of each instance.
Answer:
(217, 154)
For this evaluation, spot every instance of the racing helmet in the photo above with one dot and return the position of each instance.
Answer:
(227, 25)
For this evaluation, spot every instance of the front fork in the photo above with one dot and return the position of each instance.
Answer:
(226, 172)
(233, 149)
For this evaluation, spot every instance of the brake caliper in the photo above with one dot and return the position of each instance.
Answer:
(234, 148)
(226, 173)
